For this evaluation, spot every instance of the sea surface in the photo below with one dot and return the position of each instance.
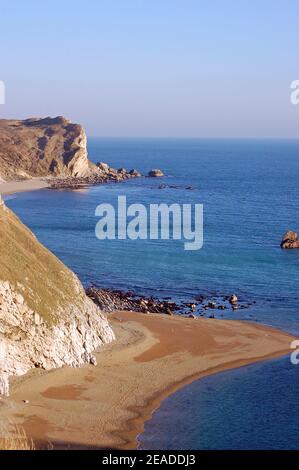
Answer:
(249, 190)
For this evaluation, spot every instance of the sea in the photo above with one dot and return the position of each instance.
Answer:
(250, 196)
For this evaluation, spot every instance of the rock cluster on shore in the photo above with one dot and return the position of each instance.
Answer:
(110, 300)
(102, 173)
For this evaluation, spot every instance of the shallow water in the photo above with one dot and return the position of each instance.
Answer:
(250, 194)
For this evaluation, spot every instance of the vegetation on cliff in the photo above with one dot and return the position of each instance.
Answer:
(46, 320)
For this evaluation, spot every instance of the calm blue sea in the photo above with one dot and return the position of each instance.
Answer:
(249, 190)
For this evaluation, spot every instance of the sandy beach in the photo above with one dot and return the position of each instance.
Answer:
(12, 187)
(105, 406)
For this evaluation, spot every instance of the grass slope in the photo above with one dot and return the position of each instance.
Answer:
(44, 281)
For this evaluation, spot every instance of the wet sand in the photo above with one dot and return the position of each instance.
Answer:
(12, 187)
(105, 407)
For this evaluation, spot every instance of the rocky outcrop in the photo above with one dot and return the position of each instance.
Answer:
(109, 173)
(156, 173)
(55, 149)
(110, 300)
(103, 174)
(46, 320)
(290, 240)
(41, 148)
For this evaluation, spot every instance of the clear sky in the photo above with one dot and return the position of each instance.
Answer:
(200, 68)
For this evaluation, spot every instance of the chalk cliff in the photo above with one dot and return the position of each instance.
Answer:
(46, 320)
(43, 147)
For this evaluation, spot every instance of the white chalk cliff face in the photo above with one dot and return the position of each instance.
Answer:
(46, 320)
(43, 147)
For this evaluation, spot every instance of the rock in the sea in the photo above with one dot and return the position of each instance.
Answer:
(134, 172)
(156, 173)
(46, 319)
(233, 299)
(290, 240)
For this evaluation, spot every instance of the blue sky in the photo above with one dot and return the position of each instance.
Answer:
(205, 68)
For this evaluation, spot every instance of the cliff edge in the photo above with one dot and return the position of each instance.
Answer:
(46, 320)
(43, 147)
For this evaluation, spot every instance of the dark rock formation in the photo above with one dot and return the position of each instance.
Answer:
(110, 300)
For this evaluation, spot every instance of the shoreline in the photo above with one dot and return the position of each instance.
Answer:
(12, 187)
(69, 182)
(154, 356)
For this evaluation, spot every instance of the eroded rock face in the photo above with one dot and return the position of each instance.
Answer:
(46, 320)
(290, 240)
(27, 341)
(42, 147)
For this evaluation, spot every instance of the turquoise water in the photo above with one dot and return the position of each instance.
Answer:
(249, 190)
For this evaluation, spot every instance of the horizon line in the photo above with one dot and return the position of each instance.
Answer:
(188, 137)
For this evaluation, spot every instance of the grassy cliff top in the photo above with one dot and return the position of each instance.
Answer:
(46, 284)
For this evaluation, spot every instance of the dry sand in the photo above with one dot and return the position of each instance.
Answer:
(106, 406)
(12, 187)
